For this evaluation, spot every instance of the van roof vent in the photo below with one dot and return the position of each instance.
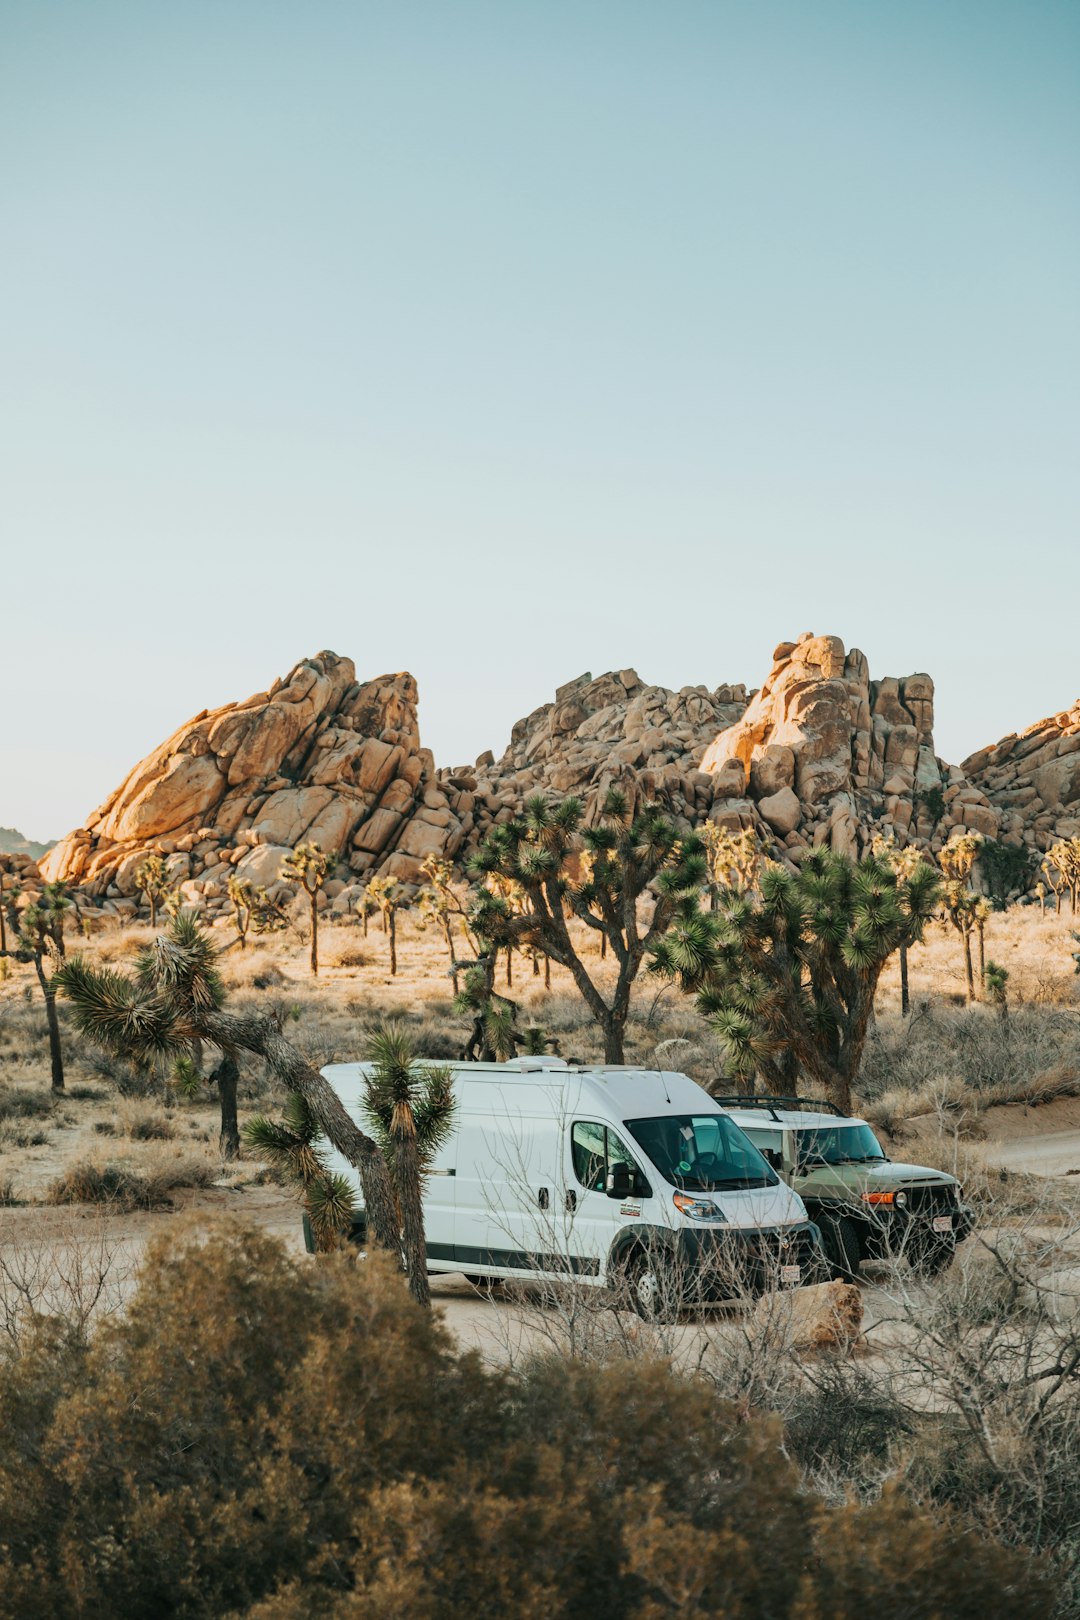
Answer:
(536, 1065)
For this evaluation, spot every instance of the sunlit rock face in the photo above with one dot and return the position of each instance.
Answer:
(823, 754)
(319, 757)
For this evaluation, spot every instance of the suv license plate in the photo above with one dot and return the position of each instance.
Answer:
(790, 1274)
(942, 1223)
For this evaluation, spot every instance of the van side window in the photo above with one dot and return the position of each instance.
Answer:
(595, 1149)
(590, 1159)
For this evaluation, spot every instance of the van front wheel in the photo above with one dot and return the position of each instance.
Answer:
(651, 1288)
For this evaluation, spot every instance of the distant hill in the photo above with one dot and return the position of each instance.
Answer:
(12, 842)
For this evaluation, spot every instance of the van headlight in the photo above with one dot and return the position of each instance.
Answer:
(698, 1209)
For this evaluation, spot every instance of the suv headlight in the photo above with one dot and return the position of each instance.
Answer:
(901, 1199)
(698, 1209)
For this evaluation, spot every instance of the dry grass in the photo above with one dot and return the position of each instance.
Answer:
(123, 1186)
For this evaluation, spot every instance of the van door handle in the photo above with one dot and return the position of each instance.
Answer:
(544, 1197)
(571, 1201)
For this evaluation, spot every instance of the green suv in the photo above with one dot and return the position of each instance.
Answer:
(867, 1207)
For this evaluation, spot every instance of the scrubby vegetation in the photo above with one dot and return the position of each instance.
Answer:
(306, 1442)
(880, 1447)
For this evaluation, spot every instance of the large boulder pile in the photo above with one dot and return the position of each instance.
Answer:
(825, 755)
(320, 757)
(821, 754)
(611, 729)
(1033, 781)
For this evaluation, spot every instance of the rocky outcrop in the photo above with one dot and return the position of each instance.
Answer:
(825, 755)
(1033, 781)
(611, 729)
(319, 758)
(821, 754)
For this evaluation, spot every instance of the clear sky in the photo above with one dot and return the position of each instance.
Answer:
(500, 341)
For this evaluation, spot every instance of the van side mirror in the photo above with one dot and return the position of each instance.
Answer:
(620, 1181)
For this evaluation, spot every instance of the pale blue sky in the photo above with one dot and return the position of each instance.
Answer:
(502, 341)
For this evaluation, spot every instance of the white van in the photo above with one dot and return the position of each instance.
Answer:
(609, 1175)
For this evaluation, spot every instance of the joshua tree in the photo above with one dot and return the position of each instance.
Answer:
(387, 895)
(903, 862)
(176, 998)
(1061, 863)
(628, 854)
(252, 910)
(242, 900)
(961, 903)
(290, 1144)
(410, 1107)
(152, 881)
(982, 912)
(788, 977)
(959, 856)
(734, 859)
(38, 932)
(961, 909)
(494, 1037)
(996, 979)
(439, 903)
(308, 866)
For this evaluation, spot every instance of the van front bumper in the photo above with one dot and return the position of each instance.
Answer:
(725, 1264)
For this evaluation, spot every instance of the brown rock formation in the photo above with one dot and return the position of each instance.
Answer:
(615, 728)
(823, 754)
(1033, 780)
(320, 758)
(820, 754)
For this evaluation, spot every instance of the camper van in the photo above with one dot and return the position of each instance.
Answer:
(613, 1176)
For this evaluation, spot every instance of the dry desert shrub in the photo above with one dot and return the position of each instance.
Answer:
(311, 1405)
(124, 1186)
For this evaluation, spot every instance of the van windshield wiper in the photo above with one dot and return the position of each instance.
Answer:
(735, 1183)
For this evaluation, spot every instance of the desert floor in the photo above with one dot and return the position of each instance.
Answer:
(954, 1086)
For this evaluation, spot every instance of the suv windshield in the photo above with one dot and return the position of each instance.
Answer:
(837, 1144)
(701, 1152)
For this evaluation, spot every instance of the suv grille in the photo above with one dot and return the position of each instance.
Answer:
(928, 1200)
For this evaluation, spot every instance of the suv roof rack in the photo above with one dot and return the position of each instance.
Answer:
(807, 1105)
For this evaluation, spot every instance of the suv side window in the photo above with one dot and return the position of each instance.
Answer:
(771, 1143)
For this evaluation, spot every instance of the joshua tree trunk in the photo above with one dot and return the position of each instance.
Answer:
(153, 909)
(226, 1076)
(509, 967)
(449, 938)
(982, 959)
(314, 931)
(409, 1191)
(393, 943)
(56, 1054)
(905, 999)
(365, 919)
(254, 1032)
(968, 969)
(547, 972)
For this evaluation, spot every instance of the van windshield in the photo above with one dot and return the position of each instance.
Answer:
(702, 1152)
